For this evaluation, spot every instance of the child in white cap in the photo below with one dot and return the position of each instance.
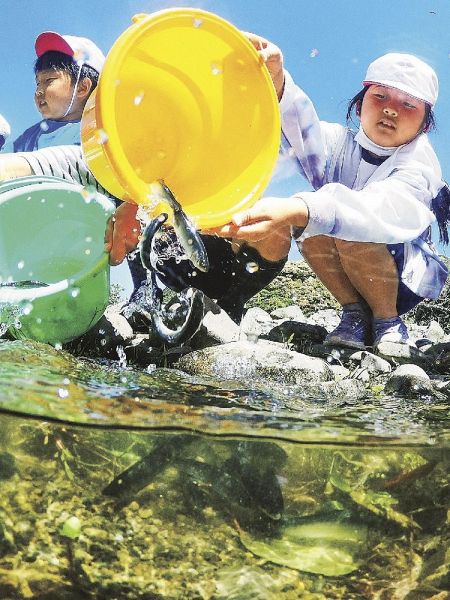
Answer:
(366, 229)
(5, 131)
(67, 69)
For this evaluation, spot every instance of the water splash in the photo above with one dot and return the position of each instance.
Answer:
(138, 98)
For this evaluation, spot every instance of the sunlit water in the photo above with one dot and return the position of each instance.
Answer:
(119, 483)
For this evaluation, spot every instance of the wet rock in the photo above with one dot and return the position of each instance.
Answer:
(141, 351)
(327, 317)
(217, 327)
(255, 324)
(403, 353)
(439, 354)
(290, 313)
(258, 362)
(434, 332)
(332, 392)
(102, 340)
(299, 336)
(8, 466)
(409, 370)
(412, 381)
(375, 364)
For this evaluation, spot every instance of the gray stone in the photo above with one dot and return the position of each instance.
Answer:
(264, 361)
(434, 332)
(255, 323)
(327, 317)
(411, 370)
(403, 353)
(375, 364)
(292, 313)
(217, 327)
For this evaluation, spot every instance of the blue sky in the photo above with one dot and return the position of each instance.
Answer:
(327, 45)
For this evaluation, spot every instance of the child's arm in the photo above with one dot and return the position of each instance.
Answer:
(311, 140)
(122, 233)
(13, 166)
(264, 218)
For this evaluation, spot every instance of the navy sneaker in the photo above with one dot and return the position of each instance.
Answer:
(390, 330)
(354, 329)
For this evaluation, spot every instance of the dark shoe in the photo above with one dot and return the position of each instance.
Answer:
(391, 330)
(353, 331)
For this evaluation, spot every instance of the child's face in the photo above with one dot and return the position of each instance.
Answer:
(390, 117)
(53, 93)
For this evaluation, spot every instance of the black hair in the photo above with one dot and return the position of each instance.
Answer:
(355, 103)
(59, 61)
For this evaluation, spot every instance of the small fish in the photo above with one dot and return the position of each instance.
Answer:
(191, 324)
(187, 234)
(153, 312)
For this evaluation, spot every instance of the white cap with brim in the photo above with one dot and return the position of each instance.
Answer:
(82, 50)
(5, 129)
(404, 72)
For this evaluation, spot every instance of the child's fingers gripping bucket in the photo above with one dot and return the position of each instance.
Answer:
(54, 272)
(184, 97)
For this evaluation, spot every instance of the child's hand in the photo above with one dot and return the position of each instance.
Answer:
(272, 57)
(264, 218)
(122, 233)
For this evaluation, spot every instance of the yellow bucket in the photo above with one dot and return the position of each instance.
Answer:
(184, 97)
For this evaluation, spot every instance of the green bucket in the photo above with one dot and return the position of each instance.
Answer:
(53, 267)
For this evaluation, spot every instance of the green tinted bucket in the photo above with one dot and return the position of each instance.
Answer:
(51, 234)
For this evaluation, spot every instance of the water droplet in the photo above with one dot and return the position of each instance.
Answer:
(161, 154)
(87, 251)
(27, 308)
(215, 69)
(251, 267)
(103, 342)
(58, 346)
(80, 57)
(63, 393)
(138, 98)
(66, 381)
(20, 264)
(314, 52)
(243, 88)
(88, 239)
(42, 200)
(88, 194)
(61, 205)
(197, 22)
(43, 125)
(74, 292)
(102, 136)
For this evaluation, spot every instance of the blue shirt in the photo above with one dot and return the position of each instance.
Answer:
(44, 134)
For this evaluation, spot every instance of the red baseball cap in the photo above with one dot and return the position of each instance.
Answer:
(82, 50)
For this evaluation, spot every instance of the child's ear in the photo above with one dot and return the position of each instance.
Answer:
(84, 87)
(358, 108)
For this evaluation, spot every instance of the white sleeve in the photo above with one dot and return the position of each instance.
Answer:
(390, 211)
(312, 141)
(66, 162)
